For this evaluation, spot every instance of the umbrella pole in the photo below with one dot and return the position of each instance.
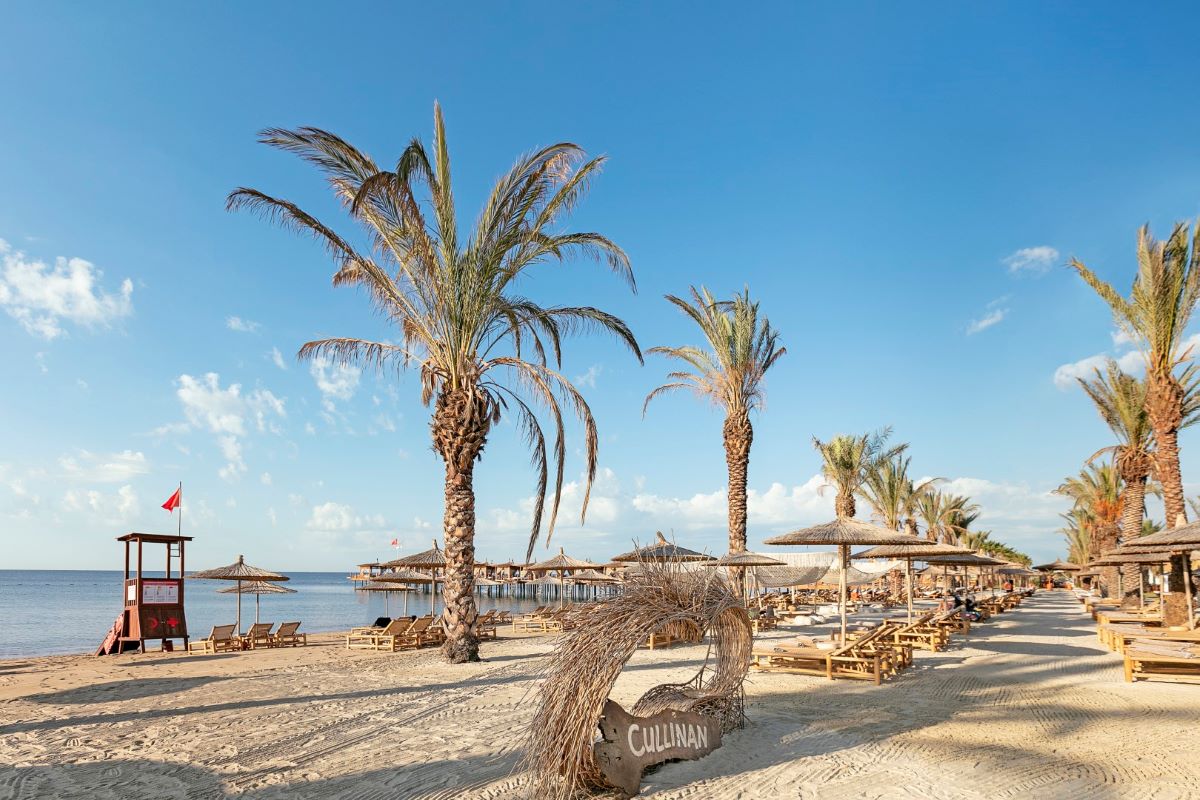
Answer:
(842, 552)
(239, 610)
(1187, 588)
(908, 585)
(256, 608)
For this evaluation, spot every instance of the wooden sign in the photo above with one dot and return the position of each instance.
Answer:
(631, 744)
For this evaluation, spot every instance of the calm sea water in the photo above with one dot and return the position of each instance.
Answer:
(83, 604)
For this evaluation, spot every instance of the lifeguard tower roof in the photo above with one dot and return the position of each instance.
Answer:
(162, 538)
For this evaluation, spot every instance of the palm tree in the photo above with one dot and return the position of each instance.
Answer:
(1079, 543)
(1097, 492)
(482, 348)
(847, 461)
(1121, 401)
(1155, 316)
(743, 346)
(946, 516)
(892, 494)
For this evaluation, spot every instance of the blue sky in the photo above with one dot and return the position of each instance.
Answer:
(902, 190)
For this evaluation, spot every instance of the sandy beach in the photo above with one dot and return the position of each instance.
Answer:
(1028, 706)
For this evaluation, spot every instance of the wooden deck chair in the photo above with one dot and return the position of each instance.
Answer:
(417, 636)
(367, 640)
(1177, 662)
(289, 635)
(259, 635)
(221, 640)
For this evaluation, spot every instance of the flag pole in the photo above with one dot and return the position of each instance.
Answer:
(179, 522)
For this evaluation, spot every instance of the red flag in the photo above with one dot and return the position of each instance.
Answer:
(395, 542)
(174, 501)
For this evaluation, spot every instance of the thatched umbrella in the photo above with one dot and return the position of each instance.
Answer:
(967, 559)
(743, 559)
(407, 576)
(388, 590)
(560, 563)
(1184, 539)
(241, 572)
(1058, 565)
(843, 532)
(431, 559)
(1122, 556)
(663, 551)
(256, 588)
(915, 550)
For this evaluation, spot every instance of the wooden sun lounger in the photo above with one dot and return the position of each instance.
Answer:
(288, 635)
(1177, 662)
(368, 640)
(221, 640)
(1118, 638)
(856, 659)
(422, 632)
(259, 635)
(922, 633)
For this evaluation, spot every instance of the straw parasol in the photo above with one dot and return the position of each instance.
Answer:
(744, 558)
(1058, 565)
(1185, 539)
(915, 550)
(388, 589)
(844, 533)
(662, 551)
(592, 576)
(408, 576)
(241, 572)
(256, 588)
(431, 559)
(967, 559)
(560, 563)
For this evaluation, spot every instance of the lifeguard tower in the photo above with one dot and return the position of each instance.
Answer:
(153, 606)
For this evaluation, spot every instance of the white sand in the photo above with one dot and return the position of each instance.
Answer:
(1029, 706)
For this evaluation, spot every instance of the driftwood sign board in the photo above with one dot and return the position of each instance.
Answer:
(631, 744)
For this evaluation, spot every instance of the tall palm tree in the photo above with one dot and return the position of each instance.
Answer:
(484, 351)
(847, 460)
(1155, 315)
(891, 493)
(743, 346)
(946, 516)
(1121, 401)
(1097, 492)
(1079, 543)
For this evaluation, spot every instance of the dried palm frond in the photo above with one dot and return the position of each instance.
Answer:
(581, 673)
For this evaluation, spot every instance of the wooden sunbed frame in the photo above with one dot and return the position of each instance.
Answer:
(1178, 663)
(221, 640)
(857, 659)
(259, 635)
(289, 635)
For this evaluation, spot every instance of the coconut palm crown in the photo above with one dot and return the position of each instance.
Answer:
(742, 347)
(892, 494)
(848, 459)
(484, 351)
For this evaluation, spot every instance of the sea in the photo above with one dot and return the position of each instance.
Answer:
(54, 612)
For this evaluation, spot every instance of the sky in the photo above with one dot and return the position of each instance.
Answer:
(902, 189)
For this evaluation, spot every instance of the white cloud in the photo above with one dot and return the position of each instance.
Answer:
(41, 297)
(224, 411)
(265, 478)
(1031, 259)
(271, 515)
(336, 381)
(277, 358)
(241, 325)
(989, 319)
(340, 518)
(588, 378)
(112, 468)
(110, 509)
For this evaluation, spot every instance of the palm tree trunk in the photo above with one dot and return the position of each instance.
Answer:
(460, 428)
(1164, 403)
(1133, 509)
(738, 434)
